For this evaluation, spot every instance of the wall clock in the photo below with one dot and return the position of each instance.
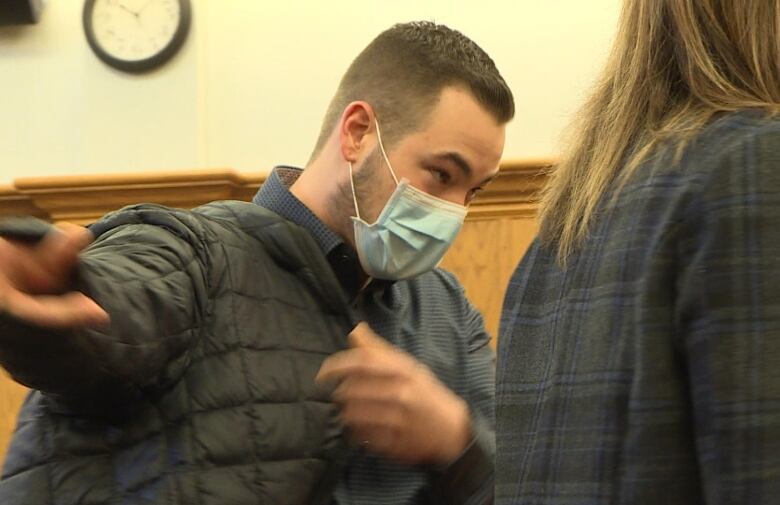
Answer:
(136, 35)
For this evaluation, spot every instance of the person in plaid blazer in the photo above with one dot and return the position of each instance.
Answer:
(639, 351)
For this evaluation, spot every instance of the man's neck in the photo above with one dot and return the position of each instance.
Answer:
(317, 188)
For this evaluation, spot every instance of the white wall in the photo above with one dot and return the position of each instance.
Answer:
(250, 86)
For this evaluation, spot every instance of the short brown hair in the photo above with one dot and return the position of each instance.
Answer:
(402, 72)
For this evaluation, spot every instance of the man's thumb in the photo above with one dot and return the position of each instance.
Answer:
(363, 336)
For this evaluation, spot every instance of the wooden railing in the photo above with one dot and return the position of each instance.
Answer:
(84, 198)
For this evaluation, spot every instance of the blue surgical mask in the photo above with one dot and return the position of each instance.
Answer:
(411, 234)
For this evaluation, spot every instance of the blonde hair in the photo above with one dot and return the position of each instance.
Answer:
(674, 65)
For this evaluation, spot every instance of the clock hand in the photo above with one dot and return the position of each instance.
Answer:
(123, 7)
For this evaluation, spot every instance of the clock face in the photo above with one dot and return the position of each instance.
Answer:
(136, 35)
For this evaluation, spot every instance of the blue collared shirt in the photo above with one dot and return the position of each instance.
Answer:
(430, 318)
(275, 196)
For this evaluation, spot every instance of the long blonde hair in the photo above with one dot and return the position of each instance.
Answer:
(673, 66)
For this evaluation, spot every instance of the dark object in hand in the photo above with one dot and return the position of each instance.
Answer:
(29, 230)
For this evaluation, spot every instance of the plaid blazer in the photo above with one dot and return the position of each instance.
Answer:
(648, 371)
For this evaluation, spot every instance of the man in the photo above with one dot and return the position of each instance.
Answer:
(203, 357)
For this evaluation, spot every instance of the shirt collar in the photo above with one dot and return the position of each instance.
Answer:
(275, 195)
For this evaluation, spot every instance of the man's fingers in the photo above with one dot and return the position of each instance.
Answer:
(363, 336)
(59, 250)
(358, 363)
(47, 266)
(337, 366)
(370, 355)
(369, 389)
(71, 310)
(341, 363)
(377, 430)
(367, 417)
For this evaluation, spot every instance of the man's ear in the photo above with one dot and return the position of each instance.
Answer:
(356, 123)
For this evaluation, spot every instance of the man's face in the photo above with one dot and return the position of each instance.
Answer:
(453, 157)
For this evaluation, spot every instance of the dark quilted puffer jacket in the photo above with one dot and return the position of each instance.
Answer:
(201, 390)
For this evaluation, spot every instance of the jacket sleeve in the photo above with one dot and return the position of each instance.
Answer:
(147, 269)
(469, 480)
(728, 312)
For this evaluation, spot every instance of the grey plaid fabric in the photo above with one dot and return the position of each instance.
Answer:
(648, 371)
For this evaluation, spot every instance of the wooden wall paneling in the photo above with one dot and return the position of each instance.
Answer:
(14, 203)
(500, 226)
(83, 199)
(484, 257)
(11, 397)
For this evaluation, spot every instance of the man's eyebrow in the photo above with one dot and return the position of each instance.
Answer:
(458, 160)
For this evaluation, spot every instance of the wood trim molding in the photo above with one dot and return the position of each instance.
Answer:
(84, 198)
(514, 193)
(13, 203)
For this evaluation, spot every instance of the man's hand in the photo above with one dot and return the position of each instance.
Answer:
(34, 280)
(394, 405)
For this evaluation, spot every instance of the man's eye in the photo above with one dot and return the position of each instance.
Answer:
(441, 176)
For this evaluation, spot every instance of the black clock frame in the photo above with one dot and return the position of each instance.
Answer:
(139, 66)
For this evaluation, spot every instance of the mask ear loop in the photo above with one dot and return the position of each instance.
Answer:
(384, 154)
(352, 183)
(357, 211)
